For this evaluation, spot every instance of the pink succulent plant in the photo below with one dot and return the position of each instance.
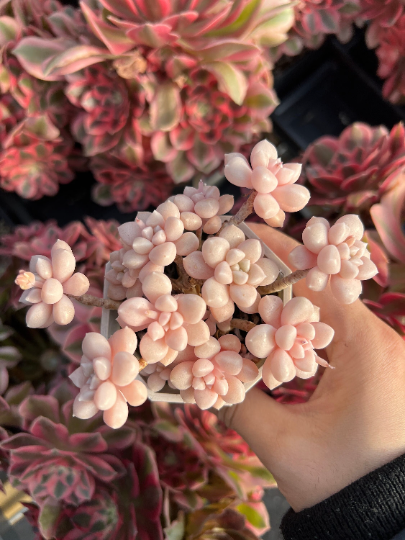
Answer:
(316, 19)
(288, 338)
(150, 243)
(34, 159)
(274, 182)
(49, 461)
(132, 186)
(382, 16)
(353, 171)
(217, 376)
(232, 268)
(335, 254)
(46, 290)
(107, 377)
(172, 322)
(202, 207)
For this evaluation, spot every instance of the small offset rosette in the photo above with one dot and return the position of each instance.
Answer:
(107, 377)
(274, 182)
(47, 285)
(335, 254)
(217, 376)
(288, 338)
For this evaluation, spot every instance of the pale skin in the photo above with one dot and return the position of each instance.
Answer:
(355, 420)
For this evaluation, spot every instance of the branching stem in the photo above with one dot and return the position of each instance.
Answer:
(284, 282)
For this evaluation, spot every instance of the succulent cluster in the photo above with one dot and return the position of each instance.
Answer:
(180, 289)
(152, 95)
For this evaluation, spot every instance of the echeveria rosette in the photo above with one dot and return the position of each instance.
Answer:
(107, 377)
(202, 207)
(217, 376)
(335, 254)
(209, 123)
(232, 268)
(172, 322)
(48, 461)
(47, 285)
(130, 184)
(157, 375)
(274, 182)
(207, 33)
(150, 243)
(34, 159)
(352, 171)
(315, 20)
(288, 338)
(104, 100)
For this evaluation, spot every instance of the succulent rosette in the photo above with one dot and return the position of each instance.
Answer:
(172, 322)
(232, 268)
(351, 172)
(202, 207)
(132, 186)
(47, 285)
(316, 19)
(52, 458)
(150, 243)
(274, 182)
(382, 15)
(104, 99)
(335, 255)
(107, 377)
(217, 376)
(288, 338)
(34, 160)
(210, 123)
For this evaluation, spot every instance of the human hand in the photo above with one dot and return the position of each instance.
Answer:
(355, 420)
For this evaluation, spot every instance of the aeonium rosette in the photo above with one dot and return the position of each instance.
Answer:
(107, 377)
(335, 254)
(47, 285)
(172, 322)
(274, 182)
(218, 374)
(288, 338)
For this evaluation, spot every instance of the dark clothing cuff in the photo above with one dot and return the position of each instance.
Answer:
(371, 508)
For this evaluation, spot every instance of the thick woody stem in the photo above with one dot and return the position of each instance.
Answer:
(244, 211)
(241, 324)
(284, 282)
(184, 283)
(89, 300)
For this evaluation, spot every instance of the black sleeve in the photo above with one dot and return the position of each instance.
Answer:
(371, 508)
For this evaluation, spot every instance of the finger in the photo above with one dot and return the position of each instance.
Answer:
(262, 422)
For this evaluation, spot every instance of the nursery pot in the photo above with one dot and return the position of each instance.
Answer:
(109, 324)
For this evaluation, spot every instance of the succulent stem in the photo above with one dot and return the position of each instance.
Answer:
(244, 211)
(241, 324)
(284, 282)
(89, 300)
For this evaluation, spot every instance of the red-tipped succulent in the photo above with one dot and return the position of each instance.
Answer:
(351, 172)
